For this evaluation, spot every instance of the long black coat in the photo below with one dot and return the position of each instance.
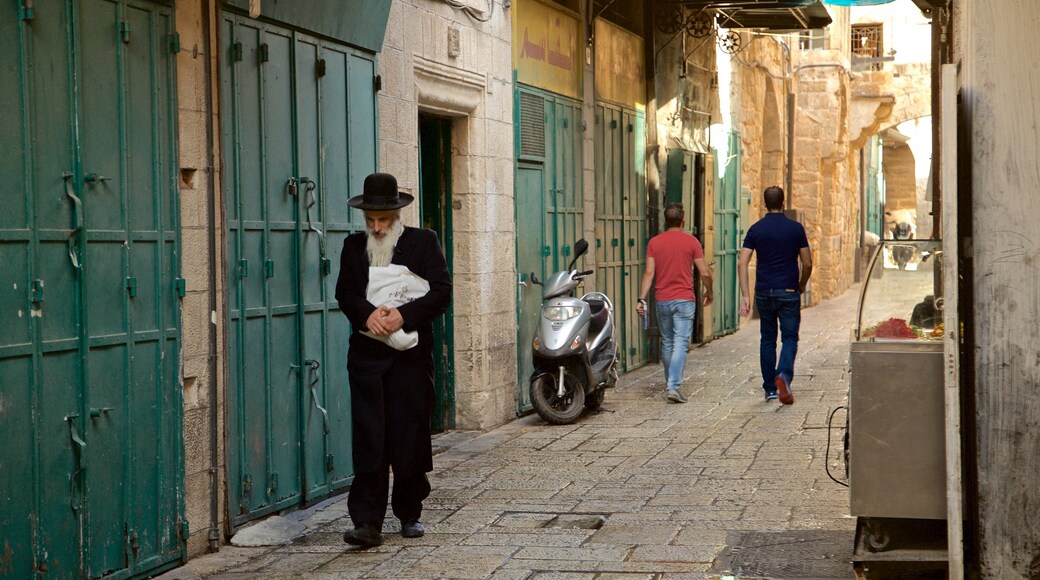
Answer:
(392, 391)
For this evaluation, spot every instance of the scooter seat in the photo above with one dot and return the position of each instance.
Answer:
(599, 313)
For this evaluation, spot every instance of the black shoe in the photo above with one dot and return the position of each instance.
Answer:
(365, 535)
(412, 529)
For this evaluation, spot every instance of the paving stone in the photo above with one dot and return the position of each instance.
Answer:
(540, 538)
(668, 483)
(620, 534)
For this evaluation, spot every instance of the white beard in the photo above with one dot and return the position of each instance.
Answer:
(381, 251)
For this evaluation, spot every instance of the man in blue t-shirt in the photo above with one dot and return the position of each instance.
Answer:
(780, 243)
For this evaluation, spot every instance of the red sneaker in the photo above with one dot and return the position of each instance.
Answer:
(784, 390)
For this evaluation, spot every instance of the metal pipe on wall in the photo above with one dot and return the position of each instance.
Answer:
(208, 6)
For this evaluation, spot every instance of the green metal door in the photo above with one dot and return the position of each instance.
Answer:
(298, 128)
(621, 230)
(530, 225)
(435, 213)
(728, 239)
(92, 481)
(875, 196)
(549, 203)
(636, 349)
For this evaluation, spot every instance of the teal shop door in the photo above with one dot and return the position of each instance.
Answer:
(298, 132)
(91, 482)
(530, 223)
(621, 230)
(435, 210)
(875, 196)
(549, 207)
(729, 235)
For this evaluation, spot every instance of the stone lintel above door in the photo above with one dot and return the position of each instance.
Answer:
(447, 90)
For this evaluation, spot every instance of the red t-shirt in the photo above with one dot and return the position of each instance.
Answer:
(673, 252)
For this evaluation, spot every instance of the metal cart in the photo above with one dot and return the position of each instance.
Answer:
(895, 444)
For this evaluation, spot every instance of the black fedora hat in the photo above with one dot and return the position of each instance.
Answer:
(380, 194)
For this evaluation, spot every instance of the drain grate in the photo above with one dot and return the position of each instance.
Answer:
(819, 554)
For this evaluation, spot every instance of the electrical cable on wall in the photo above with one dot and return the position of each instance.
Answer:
(478, 15)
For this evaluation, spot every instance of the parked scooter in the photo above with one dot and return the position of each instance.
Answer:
(575, 347)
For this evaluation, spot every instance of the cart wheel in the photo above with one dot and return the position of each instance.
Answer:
(877, 538)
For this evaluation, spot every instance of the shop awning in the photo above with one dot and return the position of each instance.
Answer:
(361, 23)
(926, 6)
(857, 2)
(766, 14)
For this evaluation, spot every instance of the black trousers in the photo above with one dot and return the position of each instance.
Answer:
(367, 499)
(391, 404)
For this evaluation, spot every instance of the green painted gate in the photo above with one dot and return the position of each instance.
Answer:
(91, 477)
(875, 195)
(729, 236)
(621, 228)
(299, 136)
(549, 206)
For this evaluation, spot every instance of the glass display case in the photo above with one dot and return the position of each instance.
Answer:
(901, 298)
(895, 442)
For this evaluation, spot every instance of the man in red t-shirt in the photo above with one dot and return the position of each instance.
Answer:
(670, 258)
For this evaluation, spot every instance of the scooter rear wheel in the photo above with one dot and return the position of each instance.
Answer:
(553, 408)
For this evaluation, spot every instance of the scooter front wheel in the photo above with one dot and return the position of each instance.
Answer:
(551, 406)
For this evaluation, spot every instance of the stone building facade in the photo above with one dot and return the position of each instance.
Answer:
(814, 149)
(453, 63)
(443, 61)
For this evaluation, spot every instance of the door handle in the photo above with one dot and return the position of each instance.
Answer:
(521, 281)
(77, 220)
(309, 186)
(314, 365)
(80, 451)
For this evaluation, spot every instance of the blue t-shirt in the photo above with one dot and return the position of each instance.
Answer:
(777, 240)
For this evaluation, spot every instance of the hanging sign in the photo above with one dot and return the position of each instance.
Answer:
(619, 65)
(547, 48)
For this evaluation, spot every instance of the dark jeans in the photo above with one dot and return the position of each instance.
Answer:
(781, 308)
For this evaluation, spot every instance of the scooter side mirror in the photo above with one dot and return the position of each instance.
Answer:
(535, 280)
(580, 247)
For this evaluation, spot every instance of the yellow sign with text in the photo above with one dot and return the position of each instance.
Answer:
(619, 65)
(547, 48)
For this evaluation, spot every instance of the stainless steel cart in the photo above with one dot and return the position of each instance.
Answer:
(895, 439)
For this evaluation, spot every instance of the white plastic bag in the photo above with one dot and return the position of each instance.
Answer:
(392, 286)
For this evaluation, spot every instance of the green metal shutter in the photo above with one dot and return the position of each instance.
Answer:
(549, 202)
(621, 229)
(95, 485)
(299, 132)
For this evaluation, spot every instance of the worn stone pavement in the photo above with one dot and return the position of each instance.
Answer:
(642, 489)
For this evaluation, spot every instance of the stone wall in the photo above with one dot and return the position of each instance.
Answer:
(759, 97)
(421, 73)
(900, 180)
(202, 354)
(825, 184)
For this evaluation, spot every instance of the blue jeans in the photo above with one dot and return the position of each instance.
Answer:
(783, 308)
(675, 319)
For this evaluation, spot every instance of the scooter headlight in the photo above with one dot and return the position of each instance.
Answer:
(559, 313)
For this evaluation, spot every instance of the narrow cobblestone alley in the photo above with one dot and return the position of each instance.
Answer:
(725, 485)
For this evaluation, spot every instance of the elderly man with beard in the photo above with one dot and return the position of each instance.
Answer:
(392, 391)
